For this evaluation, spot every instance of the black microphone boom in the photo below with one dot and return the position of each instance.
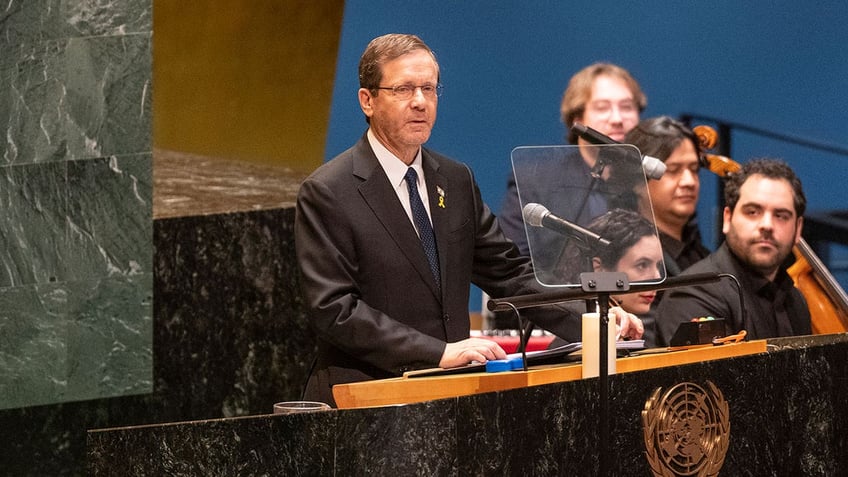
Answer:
(550, 298)
(653, 167)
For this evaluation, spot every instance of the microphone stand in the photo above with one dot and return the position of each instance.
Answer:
(596, 172)
(603, 283)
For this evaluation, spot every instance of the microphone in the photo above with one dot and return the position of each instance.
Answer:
(653, 167)
(538, 215)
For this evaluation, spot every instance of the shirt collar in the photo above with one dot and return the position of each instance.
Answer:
(758, 283)
(395, 168)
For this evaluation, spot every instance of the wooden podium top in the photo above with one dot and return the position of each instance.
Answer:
(408, 389)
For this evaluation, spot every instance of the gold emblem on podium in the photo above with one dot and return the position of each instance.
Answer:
(687, 430)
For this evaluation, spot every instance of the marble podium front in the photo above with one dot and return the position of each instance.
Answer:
(787, 417)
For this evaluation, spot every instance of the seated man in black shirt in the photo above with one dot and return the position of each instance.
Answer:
(763, 217)
(673, 199)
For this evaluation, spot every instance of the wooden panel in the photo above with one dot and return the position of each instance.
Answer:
(248, 80)
(405, 390)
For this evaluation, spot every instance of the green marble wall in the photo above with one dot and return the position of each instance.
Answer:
(75, 200)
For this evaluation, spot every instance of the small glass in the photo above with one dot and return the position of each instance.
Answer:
(293, 407)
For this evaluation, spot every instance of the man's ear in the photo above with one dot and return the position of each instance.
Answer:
(365, 100)
(725, 224)
(798, 226)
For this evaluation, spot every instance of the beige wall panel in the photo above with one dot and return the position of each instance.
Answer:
(249, 80)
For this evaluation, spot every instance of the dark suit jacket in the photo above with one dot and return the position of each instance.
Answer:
(370, 292)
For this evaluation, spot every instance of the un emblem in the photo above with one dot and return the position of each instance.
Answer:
(686, 431)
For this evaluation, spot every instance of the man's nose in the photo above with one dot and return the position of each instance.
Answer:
(767, 221)
(418, 97)
(689, 177)
(615, 115)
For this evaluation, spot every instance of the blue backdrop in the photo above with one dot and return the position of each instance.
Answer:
(504, 66)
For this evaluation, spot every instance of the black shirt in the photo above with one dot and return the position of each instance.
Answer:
(771, 308)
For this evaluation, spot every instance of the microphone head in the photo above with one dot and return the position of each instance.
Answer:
(534, 213)
(653, 167)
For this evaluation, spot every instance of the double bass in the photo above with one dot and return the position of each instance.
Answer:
(827, 301)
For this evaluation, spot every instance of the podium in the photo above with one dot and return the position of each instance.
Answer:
(787, 416)
(411, 388)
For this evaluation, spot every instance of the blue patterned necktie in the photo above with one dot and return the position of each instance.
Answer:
(422, 223)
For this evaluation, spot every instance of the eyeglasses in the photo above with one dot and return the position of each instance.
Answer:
(406, 91)
(604, 109)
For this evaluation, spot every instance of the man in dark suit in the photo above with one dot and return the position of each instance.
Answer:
(366, 230)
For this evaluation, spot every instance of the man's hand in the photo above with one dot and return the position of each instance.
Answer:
(627, 324)
(473, 349)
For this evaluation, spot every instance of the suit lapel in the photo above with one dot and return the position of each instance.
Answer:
(380, 196)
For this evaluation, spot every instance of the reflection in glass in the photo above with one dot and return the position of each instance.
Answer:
(593, 188)
(633, 248)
